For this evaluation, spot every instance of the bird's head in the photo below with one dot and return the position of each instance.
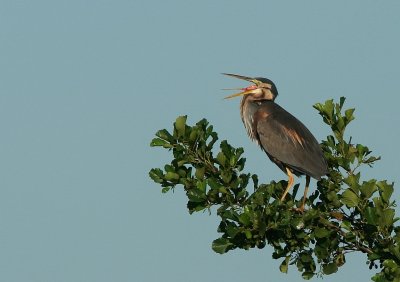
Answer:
(262, 88)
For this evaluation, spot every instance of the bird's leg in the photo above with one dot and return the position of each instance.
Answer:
(290, 183)
(301, 209)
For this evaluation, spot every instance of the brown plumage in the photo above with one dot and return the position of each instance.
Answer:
(286, 141)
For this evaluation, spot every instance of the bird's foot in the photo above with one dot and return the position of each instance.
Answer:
(299, 210)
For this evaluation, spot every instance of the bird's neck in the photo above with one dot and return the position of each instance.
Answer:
(247, 110)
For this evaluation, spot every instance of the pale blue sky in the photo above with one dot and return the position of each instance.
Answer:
(85, 84)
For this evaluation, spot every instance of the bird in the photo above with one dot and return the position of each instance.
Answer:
(286, 140)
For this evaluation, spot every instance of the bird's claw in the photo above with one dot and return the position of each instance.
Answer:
(299, 210)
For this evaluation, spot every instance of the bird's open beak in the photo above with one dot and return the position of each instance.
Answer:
(248, 90)
(240, 77)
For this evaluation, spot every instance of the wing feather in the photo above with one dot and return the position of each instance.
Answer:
(285, 139)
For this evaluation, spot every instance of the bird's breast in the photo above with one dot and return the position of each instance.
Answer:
(250, 115)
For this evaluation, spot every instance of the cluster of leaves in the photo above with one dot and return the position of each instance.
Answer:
(344, 214)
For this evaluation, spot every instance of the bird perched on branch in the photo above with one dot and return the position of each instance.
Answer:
(286, 141)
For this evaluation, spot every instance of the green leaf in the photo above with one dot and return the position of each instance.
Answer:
(226, 176)
(371, 215)
(169, 168)
(349, 198)
(248, 234)
(232, 230)
(380, 277)
(346, 225)
(331, 141)
(165, 189)
(233, 161)
(244, 218)
(387, 219)
(284, 265)
(341, 102)
(349, 115)
(254, 177)
(321, 252)
(180, 125)
(297, 223)
(373, 256)
(390, 263)
(307, 275)
(362, 150)
(172, 176)
(352, 180)
(156, 174)
(193, 135)
(165, 135)
(226, 148)
(340, 259)
(321, 232)
(200, 171)
(329, 268)
(328, 108)
(340, 125)
(221, 245)
(306, 257)
(202, 185)
(371, 160)
(213, 183)
(196, 206)
(196, 195)
(158, 142)
(368, 188)
(385, 189)
(221, 158)
(350, 237)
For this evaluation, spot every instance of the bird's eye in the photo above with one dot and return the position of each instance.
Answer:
(265, 86)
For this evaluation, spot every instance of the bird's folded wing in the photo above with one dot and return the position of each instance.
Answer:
(286, 139)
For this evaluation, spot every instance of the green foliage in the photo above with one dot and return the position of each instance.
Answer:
(345, 213)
